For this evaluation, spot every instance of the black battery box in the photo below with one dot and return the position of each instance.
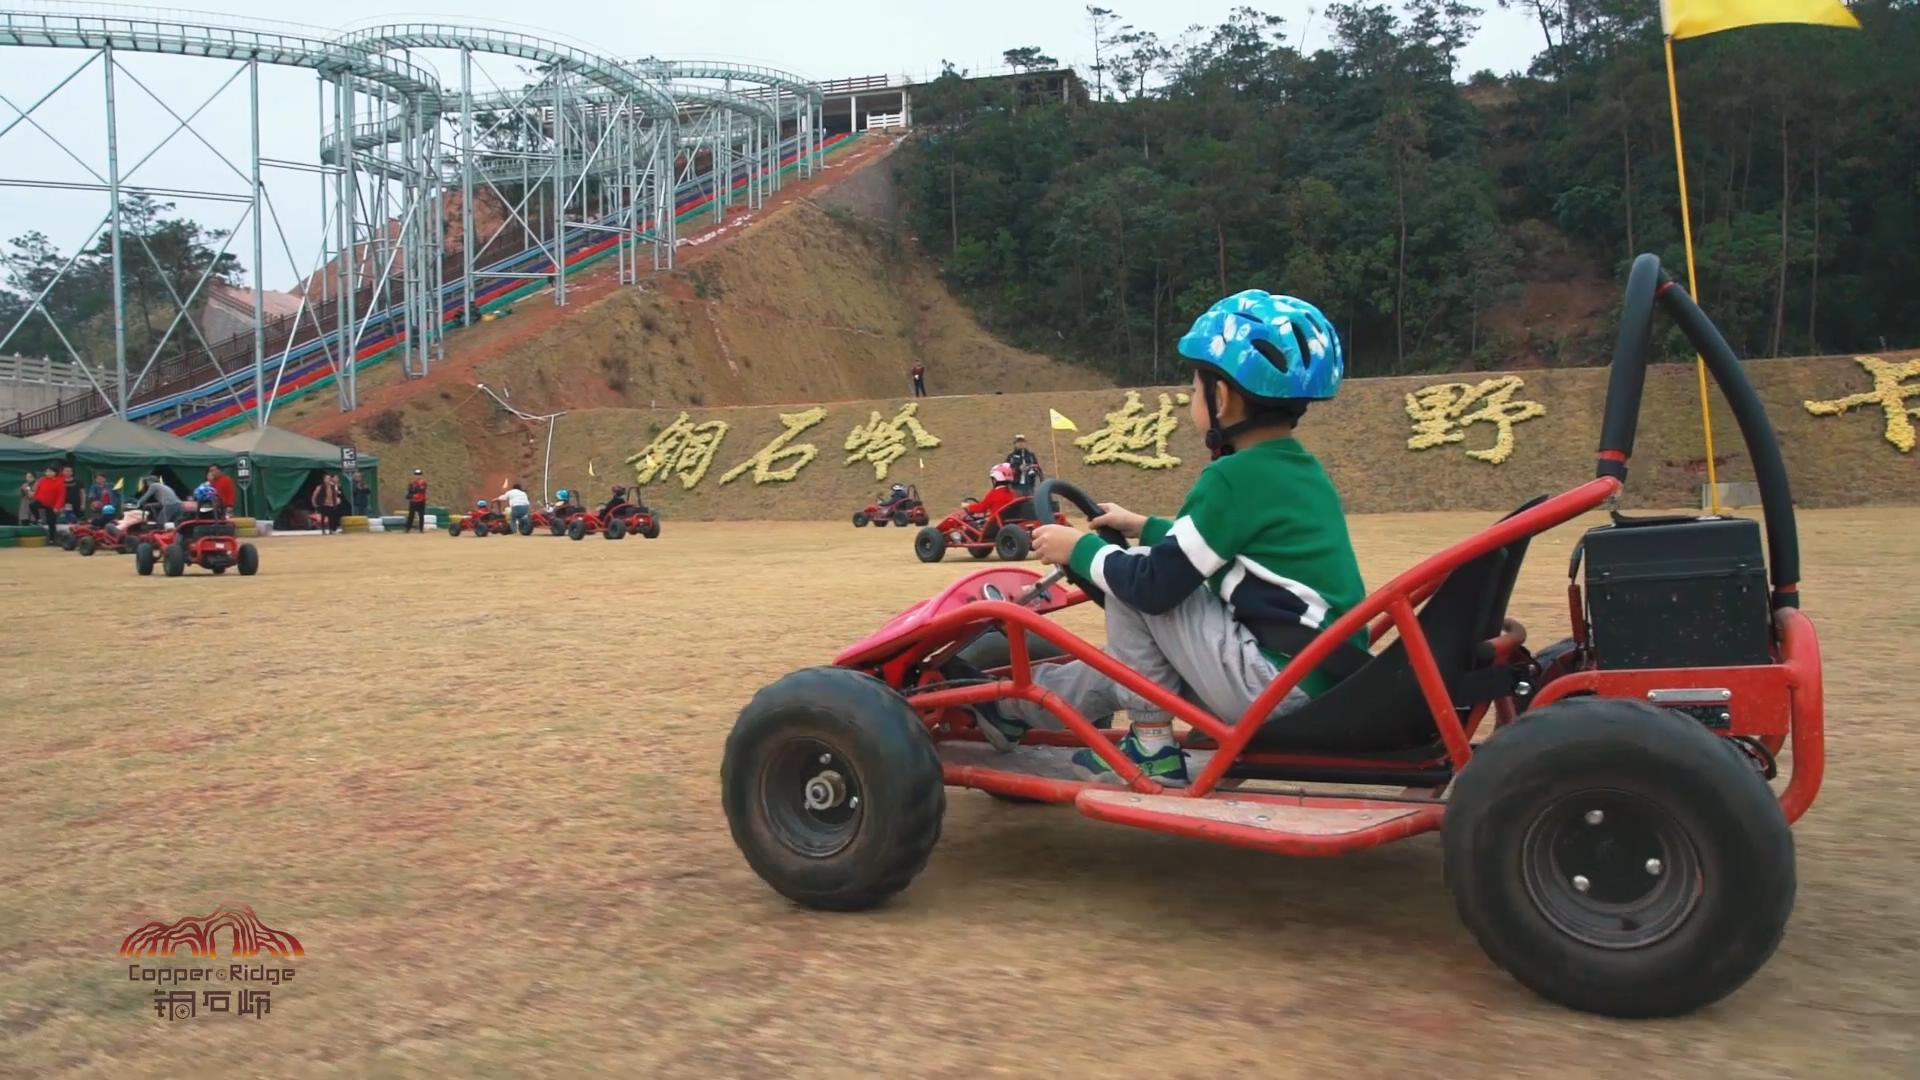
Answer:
(1678, 592)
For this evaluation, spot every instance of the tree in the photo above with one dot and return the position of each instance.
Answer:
(1028, 58)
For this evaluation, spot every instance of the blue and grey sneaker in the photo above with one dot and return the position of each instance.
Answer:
(1167, 765)
(1000, 731)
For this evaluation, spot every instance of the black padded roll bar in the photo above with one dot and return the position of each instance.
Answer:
(1646, 285)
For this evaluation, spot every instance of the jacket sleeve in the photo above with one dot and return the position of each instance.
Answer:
(1156, 576)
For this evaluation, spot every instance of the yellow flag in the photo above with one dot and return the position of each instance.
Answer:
(590, 471)
(1694, 18)
(1060, 421)
(120, 484)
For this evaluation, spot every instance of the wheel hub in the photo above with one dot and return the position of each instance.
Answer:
(1611, 868)
(811, 797)
(825, 791)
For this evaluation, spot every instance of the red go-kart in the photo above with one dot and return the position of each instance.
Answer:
(203, 541)
(903, 511)
(618, 522)
(1604, 808)
(87, 539)
(1007, 532)
(480, 523)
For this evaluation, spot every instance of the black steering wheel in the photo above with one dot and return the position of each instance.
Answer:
(1043, 497)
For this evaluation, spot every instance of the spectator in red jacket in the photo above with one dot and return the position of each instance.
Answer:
(223, 486)
(49, 497)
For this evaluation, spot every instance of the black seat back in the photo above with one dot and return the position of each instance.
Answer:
(1019, 510)
(1380, 708)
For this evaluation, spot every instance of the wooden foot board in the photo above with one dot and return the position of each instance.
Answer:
(1284, 827)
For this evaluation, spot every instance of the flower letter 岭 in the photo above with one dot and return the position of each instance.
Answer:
(1130, 431)
(881, 442)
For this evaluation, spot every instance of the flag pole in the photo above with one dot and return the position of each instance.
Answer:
(1686, 232)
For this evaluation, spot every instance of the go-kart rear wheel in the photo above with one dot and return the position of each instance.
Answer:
(69, 541)
(249, 560)
(86, 546)
(525, 527)
(479, 527)
(557, 528)
(930, 544)
(859, 519)
(1619, 858)
(453, 529)
(175, 562)
(832, 789)
(616, 529)
(1012, 543)
(900, 519)
(143, 559)
(980, 552)
(577, 530)
(651, 531)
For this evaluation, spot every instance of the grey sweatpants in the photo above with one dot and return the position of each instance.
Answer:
(1198, 650)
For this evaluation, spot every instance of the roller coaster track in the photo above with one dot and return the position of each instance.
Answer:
(615, 151)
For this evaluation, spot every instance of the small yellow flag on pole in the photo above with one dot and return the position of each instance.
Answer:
(1694, 18)
(590, 471)
(1060, 421)
(120, 484)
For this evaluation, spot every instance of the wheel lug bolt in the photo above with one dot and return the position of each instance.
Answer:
(853, 803)
(1595, 817)
(826, 759)
(1654, 867)
(1580, 883)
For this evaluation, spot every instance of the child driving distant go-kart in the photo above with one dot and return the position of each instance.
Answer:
(998, 497)
(564, 506)
(1213, 602)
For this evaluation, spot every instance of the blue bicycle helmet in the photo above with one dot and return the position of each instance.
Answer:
(205, 494)
(1274, 349)
(561, 494)
(480, 504)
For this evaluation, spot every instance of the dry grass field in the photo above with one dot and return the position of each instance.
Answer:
(478, 779)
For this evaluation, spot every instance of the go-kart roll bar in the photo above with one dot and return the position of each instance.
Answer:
(1646, 285)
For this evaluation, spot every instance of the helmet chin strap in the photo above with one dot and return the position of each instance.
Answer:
(1219, 439)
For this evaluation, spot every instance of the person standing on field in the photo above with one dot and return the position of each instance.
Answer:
(1026, 466)
(416, 502)
(919, 379)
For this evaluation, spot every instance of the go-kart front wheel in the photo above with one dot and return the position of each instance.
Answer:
(249, 560)
(453, 529)
(900, 519)
(525, 527)
(859, 519)
(832, 789)
(616, 529)
(930, 544)
(175, 562)
(143, 559)
(86, 546)
(1619, 858)
(577, 530)
(651, 531)
(1012, 543)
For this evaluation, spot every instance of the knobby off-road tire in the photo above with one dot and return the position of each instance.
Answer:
(616, 529)
(68, 541)
(557, 529)
(652, 530)
(577, 530)
(143, 559)
(930, 544)
(900, 519)
(453, 529)
(249, 560)
(86, 547)
(175, 562)
(1012, 543)
(859, 519)
(832, 789)
(525, 527)
(480, 528)
(1619, 858)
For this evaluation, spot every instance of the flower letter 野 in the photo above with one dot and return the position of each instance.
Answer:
(685, 449)
(1891, 392)
(778, 450)
(1130, 431)
(881, 442)
(1442, 412)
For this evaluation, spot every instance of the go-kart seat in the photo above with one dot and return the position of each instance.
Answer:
(1019, 510)
(195, 527)
(1380, 709)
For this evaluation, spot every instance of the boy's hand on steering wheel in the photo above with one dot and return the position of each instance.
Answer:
(1054, 543)
(1113, 515)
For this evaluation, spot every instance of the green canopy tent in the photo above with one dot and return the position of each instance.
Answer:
(125, 451)
(287, 465)
(19, 456)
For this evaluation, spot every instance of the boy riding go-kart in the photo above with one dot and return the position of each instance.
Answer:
(1609, 832)
(900, 506)
(482, 521)
(614, 520)
(1001, 521)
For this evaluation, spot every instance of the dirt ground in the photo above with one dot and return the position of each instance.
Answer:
(478, 779)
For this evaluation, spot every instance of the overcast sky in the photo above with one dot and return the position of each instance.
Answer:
(821, 39)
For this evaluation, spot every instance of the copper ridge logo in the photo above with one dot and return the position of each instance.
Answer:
(246, 936)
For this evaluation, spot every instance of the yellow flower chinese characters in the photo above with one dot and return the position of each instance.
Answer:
(1441, 414)
(1131, 431)
(685, 449)
(778, 450)
(1891, 391)
(880, 442)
